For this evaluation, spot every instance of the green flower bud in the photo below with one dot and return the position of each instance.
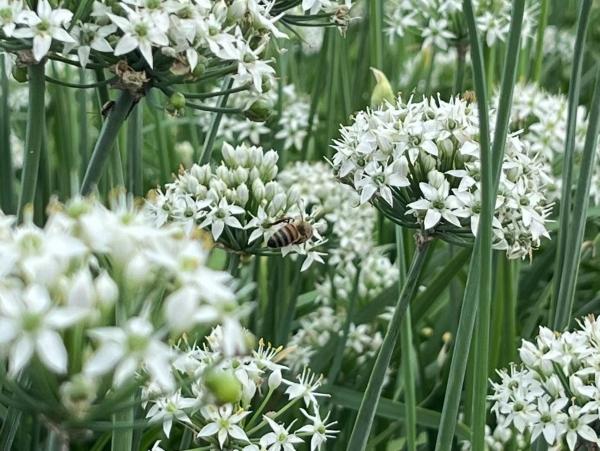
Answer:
(382, 92)
(259, 111)
(223, 385)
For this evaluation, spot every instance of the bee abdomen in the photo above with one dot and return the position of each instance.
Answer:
(285, 236)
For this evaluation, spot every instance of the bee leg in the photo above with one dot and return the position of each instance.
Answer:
(279, 221)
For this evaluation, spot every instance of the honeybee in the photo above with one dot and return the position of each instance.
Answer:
(295, 231)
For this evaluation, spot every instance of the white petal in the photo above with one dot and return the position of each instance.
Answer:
(20, 354)
(432, 217)
(51, 351)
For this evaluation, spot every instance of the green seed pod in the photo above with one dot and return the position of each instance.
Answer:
(259, 111)
(177, 100)
(223, 385)
(19, 73)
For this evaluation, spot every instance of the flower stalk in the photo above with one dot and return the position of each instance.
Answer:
(35, 129)
(368, 406)
(108, 135)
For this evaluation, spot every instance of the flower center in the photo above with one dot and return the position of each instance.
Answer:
(136, 343)
(6, 14)
(43, 26)
(31, 322)
(141, 30)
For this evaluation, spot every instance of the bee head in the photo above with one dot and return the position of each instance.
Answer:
(305, 229)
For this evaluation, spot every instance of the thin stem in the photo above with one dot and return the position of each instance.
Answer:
(539, 41)
(566, 293)
(336, 365)
(36, 118)
(6, 167)
(108, 136)
(406, 365)
(134, 152)
(564, 230)
(209, 141)
(368, 406)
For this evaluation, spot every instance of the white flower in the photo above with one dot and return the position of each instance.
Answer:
(280, 439)
(29, 324)
(438, 202)
(305, 388)
(43, 27)
(436, 34)
(319, 431)
(88, 36)
(9, 12)
(221, 215)
(578, 425)
(141, 30)
(223, 422)
(171, 408)
(129, 349)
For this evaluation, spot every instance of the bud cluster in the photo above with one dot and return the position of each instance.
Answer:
(239, 201)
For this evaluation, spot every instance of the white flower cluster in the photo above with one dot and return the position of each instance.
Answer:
(349, 226)
(320, 327)
(418, 162)
(542, 118)
(350, 233)
(555, 393)
(290, 128)
(559, 42)
(240, 201)
(438, 22)
(182, 38)
(224, 403)
(114, 281)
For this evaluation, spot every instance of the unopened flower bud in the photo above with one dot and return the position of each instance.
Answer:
(201, 173)
(382, 92)
(184, 152)
(107, 290)
(242, 194)
(229, 155)
(271, 189)
(222, 172)
(293, 195)
(238, 10)
(137, 271)
(278, 203)
(275, 379)
(258, 189)
(240, 175)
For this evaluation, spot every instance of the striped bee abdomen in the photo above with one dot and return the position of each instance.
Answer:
(285, 236)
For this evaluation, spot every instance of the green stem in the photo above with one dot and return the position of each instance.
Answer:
(459, 76)
(6, 168)
(209, 141)
(36, 118)
(122, 438)
(406, 343)
(539, 41)
(134, 152)
(336, 365)
(564, 230)
(108, 136)
(566, 292)
(368, 406)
